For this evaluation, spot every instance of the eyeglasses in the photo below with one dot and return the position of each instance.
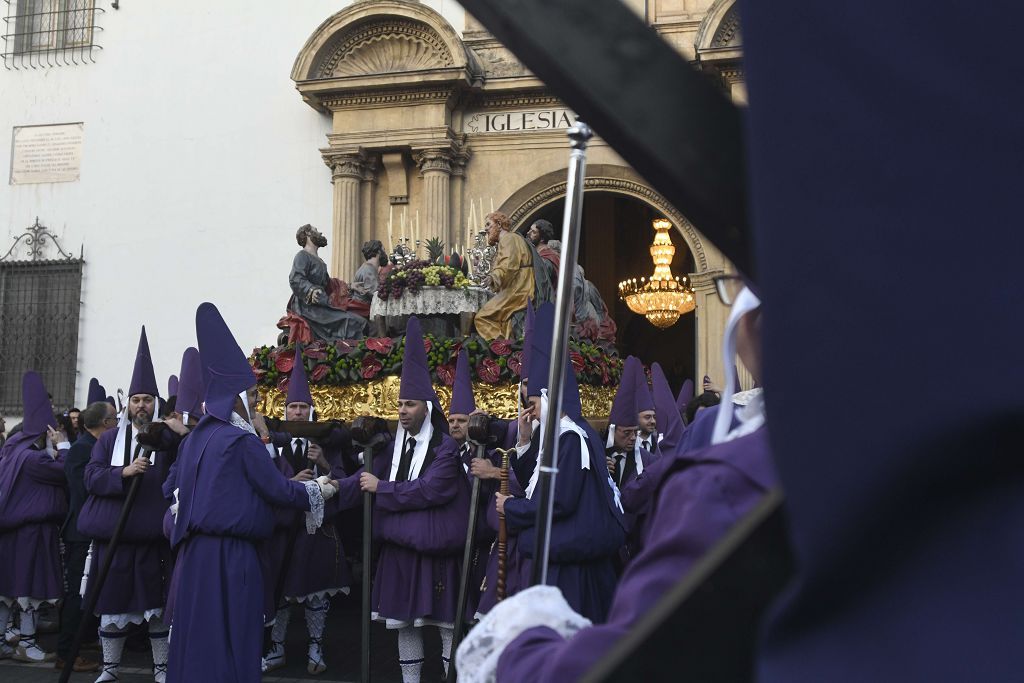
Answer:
(728, 288)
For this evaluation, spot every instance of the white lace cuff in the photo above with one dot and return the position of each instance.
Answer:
(477, 657)
(315, 516)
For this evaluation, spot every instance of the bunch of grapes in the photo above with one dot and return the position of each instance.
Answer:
(414, 280)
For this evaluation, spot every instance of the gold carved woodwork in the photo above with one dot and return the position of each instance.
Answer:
(379, 397)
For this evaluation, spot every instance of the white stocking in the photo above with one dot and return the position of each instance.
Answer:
(112, 640)
(446, 646)
(158, 641)
(410, 653)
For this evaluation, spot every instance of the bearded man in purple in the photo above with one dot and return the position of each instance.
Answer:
(135, 590)
(33, 503)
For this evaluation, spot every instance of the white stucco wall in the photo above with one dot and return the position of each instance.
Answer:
(199, 162)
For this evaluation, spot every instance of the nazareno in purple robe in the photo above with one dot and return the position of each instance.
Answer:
(699, 496)
(33, 504)
(141, 570)
(228, 487)
(587, 528)
(317, 565)
(421, 525)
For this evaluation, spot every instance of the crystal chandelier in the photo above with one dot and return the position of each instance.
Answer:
(663, 298)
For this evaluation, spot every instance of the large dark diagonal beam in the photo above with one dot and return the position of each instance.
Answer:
(663, 117)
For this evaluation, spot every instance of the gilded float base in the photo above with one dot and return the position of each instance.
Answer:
(379, 397)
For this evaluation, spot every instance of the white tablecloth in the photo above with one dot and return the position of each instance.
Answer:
(432, 301)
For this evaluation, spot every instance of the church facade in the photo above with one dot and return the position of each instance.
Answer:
(401, 119)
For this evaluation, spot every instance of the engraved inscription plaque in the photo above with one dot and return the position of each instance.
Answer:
(46, 154)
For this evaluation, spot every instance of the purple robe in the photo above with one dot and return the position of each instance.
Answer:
(317, 561)
(141, 569)
(697, 500)
(228, 486)
(422, 528)
(33, 504)
(587, 529)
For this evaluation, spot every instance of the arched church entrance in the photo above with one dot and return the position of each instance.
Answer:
(614, 245)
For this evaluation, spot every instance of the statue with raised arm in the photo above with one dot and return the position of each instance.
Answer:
(319, 300)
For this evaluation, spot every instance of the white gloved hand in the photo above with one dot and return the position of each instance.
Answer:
(327, 489)
(477, 656)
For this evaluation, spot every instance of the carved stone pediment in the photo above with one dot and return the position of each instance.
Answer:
(728, 32)
(387, 45)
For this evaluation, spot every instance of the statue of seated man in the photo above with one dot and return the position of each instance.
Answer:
(367, 279)
(321, 302)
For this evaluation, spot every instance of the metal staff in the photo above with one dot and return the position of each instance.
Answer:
(579, 135)
(93, 595)
(370, 433)
(499, 587)
(467, 561)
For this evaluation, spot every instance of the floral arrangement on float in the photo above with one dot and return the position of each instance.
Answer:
(437, 270)
(493, 362)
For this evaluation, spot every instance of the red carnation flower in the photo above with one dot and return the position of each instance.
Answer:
(284, 361)
(427, 344)
(381, 345)
(501, 347)
(446, 373)
(489, 371)
(319, 372)
(515, 363)
(371, 366)
(344, 348)
(577, 361)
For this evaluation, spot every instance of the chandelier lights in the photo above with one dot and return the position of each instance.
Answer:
(663, 298)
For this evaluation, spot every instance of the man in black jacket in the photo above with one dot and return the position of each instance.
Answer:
(93, 421)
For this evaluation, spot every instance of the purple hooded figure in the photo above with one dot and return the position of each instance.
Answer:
(587, 526)
(136, 587)
(421, 507)
(684, 397)
(221, 515)
(647, 432)
(626, 459)
(96, 392)
(316, 568)
(190, 387)
(172, 386)
(33, 503)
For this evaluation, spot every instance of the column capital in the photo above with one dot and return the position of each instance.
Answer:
(345, 164)
(435, 159)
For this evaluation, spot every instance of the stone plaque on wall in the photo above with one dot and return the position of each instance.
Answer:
(46, 154)
(537, 120)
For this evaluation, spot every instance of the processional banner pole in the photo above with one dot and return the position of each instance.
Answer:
(579, 136)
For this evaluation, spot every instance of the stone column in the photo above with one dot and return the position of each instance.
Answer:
(368, 209)
(710, 326)
(347, 176)
(457, 227)
(436, 169)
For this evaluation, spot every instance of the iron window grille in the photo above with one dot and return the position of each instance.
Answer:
(45, 33)
(40, 305)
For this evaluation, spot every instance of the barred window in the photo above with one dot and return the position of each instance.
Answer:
(49, 32)
(40, 303)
